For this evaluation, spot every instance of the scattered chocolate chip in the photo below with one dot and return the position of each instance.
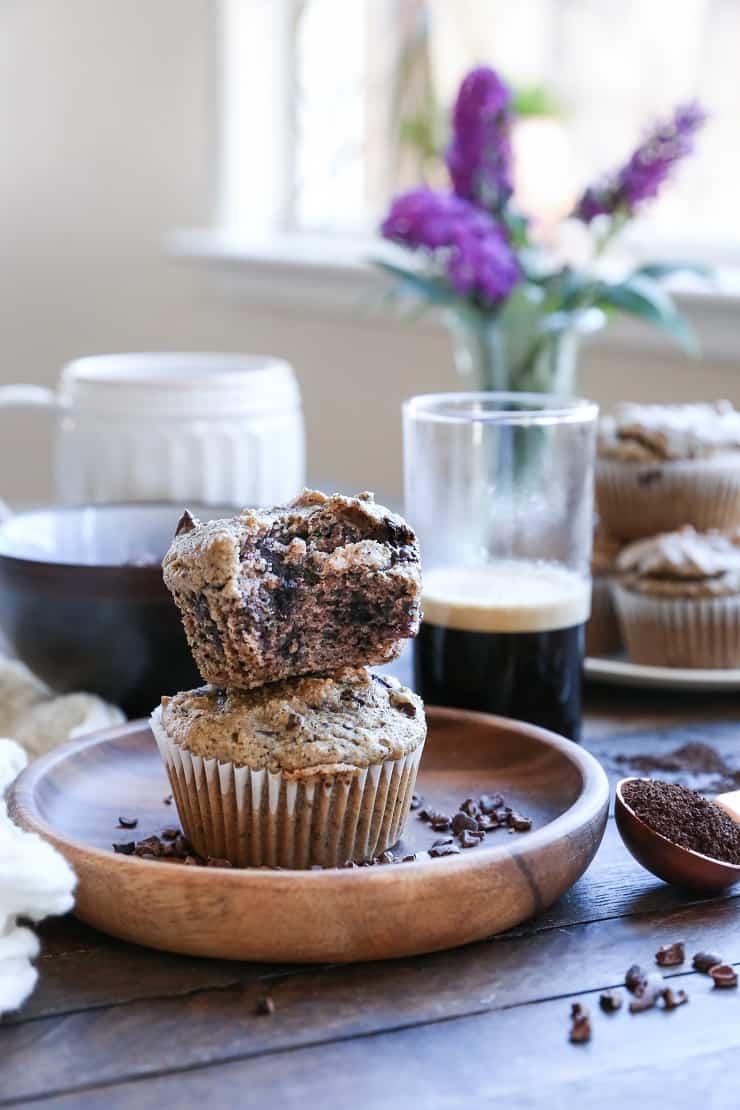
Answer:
(170, 833)
(670, 955)
(704, 961)
(214, 861)
(635, 979)
(440, 822)
(463, 820)
(126, 849)
(672, 999)
(610, 1001)
(470, 807)
(580, 1030)
(470, 839)
(168, 800)
(186, 523)
(265, 1007)
(519, 823)
(416, 801)
(441, 841)
(386, 857)
(487, 803)
(444, 850)
(647, 997)
(724, 975)
(487, 822)
(349, 863)
(151, 845)
(128, 822)
(410, 858)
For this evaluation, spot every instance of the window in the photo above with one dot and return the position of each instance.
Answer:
(331, 106)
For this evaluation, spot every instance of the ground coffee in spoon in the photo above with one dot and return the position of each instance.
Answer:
(684, 817)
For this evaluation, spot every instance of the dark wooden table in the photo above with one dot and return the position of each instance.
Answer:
(111, 1025)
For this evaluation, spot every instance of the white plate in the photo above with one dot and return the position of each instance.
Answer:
(621, 672)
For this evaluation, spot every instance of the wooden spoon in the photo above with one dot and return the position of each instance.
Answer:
(669, 861)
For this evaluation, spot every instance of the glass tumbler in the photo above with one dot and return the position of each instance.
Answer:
(499, 487)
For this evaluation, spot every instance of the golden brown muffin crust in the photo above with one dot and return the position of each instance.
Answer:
(300, 726)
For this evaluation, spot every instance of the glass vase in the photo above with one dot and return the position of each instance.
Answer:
(520, 351)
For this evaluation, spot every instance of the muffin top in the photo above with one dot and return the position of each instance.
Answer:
(682, 564)
(654, 433)
(333, 533)
(605, 551)
(300, 726)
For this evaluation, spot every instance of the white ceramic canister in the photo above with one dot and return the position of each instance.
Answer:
(170, 426)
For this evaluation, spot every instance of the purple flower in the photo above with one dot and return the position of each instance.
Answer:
(479, 155)
(641, 177)
(471, 245)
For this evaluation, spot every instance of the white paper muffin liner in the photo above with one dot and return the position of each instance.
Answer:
(603, 635)
(680, 632)
(637, 499)
(266, 819)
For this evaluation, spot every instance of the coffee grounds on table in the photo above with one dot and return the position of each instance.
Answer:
(684, 817)
(699, 765)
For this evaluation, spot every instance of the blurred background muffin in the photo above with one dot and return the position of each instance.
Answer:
(678, 600)
(660, 467)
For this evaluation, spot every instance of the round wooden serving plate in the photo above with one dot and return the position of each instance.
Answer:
(74, 795)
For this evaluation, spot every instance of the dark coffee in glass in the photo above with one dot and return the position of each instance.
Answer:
(499, 489)
(505, 639)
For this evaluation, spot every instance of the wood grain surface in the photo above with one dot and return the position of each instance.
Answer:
(115, 1026)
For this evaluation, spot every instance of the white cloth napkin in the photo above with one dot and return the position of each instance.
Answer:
(40, 720)
(35, 880)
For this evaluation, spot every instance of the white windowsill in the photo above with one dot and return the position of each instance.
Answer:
(333, 276)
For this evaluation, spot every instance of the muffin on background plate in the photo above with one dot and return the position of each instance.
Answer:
(678, 600)
(303, 772)
(321, 583)
(662, 466)
(603, 634)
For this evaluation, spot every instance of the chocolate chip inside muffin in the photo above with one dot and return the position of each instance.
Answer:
(325, 582)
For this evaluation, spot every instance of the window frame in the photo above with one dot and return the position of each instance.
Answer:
(253, 253)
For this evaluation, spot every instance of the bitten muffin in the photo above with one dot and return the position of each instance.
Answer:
(662, 466)
(603, 635)
(321, 583)
(308, 771)
(678, 599)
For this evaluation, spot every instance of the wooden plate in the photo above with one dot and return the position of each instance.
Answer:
(74, 795)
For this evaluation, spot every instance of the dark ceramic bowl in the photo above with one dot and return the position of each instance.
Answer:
(83, 604)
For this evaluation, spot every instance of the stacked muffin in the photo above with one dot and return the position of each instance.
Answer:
(668, 477)
(294, 754)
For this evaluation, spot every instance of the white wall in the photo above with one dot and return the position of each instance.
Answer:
(107, 142)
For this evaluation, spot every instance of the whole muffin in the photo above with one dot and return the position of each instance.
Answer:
(308, 771)
(603, 635)
(321, 583)
(662, 466)
(678, 600)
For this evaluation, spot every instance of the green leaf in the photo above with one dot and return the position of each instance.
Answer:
(427, 287)
(658, 270)
(644, 298)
